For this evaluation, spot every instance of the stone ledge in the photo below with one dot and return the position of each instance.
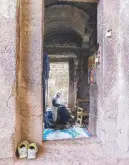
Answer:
(80, 151)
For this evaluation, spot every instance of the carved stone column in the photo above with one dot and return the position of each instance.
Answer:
(30, 69)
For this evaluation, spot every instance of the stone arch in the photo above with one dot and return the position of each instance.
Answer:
(65, 28)
(64, 19)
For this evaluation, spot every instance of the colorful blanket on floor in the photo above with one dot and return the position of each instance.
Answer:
(71, 133)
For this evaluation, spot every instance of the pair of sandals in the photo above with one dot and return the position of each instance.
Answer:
(26, 150)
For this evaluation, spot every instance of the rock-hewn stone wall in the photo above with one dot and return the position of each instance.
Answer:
(8, 26)
(108, 93)
(113, 73)
(20, 73)
(112, 78)
(83, 86)
(123, 64)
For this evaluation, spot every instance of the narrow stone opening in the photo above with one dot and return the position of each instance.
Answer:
(58, 81)
(70, 36)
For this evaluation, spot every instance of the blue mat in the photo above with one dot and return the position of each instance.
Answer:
(71, 133)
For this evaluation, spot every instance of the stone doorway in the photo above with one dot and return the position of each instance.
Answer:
(70, 35)
(58, 81)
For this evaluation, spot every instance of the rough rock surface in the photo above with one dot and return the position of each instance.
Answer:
(7, 77)
(113, 82)
(112, 73)
(80, 152)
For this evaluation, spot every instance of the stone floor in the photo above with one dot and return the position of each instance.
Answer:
(76, 152)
